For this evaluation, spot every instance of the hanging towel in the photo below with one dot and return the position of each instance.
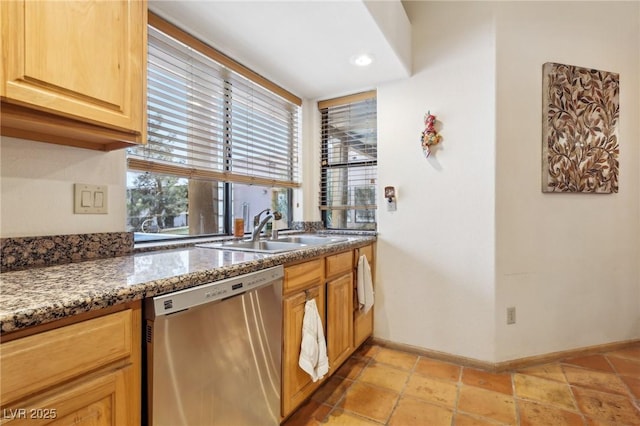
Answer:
(364, 285)
(313, 349)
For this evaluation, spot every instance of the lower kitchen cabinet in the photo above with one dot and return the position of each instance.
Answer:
(96, 401)
(86, 373)
(296, 383)
(330, 280)
(363, 322)
(339, 330)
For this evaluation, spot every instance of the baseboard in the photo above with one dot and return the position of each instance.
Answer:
(556, 356)
(513, 364)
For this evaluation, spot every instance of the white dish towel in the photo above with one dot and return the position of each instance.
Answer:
(364, 285)
(313, 348)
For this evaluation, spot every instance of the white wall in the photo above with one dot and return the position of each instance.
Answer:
(305, 200)
(473, 233)
(567, 262)
(36, 196)
(392, 20)
(435, 273)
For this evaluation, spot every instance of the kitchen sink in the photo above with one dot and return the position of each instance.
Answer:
(280, 245)
(255, 246)
(311, 240)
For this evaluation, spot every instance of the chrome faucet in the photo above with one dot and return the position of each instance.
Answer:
(259, 224)
(256, 218)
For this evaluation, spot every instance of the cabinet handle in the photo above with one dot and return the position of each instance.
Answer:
(308, 294)
(311, 293)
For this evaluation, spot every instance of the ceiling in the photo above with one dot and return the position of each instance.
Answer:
(303, 46)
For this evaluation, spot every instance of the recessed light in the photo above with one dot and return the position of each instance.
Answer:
(362, 60)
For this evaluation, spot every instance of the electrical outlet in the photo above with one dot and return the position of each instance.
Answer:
(511, 315)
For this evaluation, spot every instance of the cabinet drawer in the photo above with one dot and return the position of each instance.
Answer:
(303, 275)
(339, 263)
(36, 362)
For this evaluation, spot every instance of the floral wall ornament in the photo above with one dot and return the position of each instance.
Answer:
(579, 129)
(430, 136)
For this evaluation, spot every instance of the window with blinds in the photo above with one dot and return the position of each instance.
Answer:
(213, 125)
(349, 161)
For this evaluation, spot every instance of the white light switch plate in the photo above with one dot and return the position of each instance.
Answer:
(90, 199)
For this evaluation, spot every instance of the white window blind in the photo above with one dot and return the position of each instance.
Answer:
(207, 121)
(349, 161)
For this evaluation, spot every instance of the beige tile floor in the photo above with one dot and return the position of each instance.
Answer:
(381, 386)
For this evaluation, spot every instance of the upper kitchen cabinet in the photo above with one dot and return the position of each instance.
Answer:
(74, 72)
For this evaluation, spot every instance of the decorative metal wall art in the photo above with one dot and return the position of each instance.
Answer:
(579, 129)
(430, 136)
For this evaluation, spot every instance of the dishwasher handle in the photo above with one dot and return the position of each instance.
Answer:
(211, 292)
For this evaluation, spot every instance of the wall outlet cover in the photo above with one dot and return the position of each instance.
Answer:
(511, 315)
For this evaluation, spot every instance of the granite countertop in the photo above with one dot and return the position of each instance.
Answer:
(40, 295)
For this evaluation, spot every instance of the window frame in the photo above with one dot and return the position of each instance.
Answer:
(326, 164)
(226, 176)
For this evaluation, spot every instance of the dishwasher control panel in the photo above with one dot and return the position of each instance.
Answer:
(184, 299)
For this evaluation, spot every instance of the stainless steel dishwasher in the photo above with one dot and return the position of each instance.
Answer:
(213, 353)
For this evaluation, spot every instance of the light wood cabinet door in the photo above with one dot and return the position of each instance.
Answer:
(84, 60)
(99, 401)
(363, 323)
(43, 360)
(296, 383)
(339, 320)
(86, 373)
